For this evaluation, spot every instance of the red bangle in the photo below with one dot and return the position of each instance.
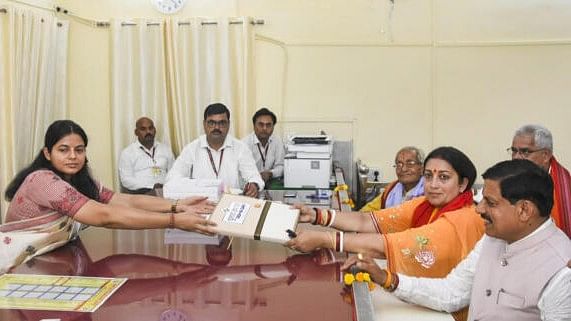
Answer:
(317, 212)
(337, 241)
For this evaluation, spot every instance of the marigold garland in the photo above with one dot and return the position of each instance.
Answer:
(349, 202)
(349, 278)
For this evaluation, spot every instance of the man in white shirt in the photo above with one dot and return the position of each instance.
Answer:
(517, 271)
(143, 165)
(267, 149)
(217, 155)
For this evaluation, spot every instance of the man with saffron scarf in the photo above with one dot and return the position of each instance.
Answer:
(409, 183)
(535, 143)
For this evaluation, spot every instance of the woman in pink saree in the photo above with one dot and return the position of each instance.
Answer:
(53, 196)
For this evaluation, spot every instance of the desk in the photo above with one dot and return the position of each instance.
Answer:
(388, 308)
(251, 281)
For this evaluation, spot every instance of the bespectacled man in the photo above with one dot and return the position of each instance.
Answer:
(535, 143)
(218, 155)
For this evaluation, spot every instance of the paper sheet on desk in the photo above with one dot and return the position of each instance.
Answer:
(184, 187)
(56, 292)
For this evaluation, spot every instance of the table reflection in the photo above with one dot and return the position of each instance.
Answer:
(246, 280)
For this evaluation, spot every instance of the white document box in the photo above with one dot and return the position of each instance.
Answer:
(303, 173)
(246, 217)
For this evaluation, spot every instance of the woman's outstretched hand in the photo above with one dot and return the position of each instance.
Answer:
(196, 205)
(307, 241)
(194, 223)
(306, 214)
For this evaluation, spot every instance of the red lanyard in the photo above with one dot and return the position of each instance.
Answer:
(152, 156)
(263, 155)
(212, 161)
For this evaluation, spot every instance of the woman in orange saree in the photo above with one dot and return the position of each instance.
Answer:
(427, 236)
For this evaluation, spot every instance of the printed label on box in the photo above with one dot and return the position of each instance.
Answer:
(236, 212)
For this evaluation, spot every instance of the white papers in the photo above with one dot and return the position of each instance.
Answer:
(183, 187)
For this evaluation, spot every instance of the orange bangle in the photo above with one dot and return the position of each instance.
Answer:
(388, 280)
(394, 283)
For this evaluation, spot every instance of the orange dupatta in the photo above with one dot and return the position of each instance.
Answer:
(561, 212)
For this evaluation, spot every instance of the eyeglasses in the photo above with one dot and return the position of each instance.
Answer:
(410, 163)
(525, 152)
(213, 123)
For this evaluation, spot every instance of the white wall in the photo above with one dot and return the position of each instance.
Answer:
(442, 72)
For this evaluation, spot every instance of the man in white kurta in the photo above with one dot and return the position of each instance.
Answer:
(267, 149)
(217, 155)
(144, 164)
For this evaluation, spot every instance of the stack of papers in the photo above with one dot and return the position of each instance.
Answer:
(184, 187)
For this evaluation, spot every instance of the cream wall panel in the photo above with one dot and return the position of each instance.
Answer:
(326, 21)
(493, 20)
(483, 94)
(386, 89)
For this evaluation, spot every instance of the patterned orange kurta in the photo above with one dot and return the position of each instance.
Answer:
(432, 250)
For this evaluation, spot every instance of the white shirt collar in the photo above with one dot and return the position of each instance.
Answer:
(228, 142)
(257, 141)
(143, 146)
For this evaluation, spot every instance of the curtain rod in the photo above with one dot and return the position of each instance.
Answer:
(106, 24)
(187, 23)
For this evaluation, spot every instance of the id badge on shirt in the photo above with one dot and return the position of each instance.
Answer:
(156, 170)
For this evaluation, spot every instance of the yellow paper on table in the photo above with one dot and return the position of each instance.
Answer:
(56, 292)
(253, 218)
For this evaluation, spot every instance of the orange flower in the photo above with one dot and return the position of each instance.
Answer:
(366, 277)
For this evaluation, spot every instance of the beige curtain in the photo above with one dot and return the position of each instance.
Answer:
(190, 64)
(138, 83)
(33, 62)
(209, 61)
